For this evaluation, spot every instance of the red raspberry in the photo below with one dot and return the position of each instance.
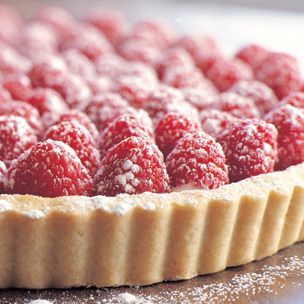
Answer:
(225, 73)
(175, 57)
(281, 72)
(204, 61)
(293, 99)
(197, 161)
(263, 96)
(181, 77)
(236, 105)
(3, 177)
(124, 126)
(139, 50)
(73, 90)
(11, 62)
(79, 139)
(133, 166)
(171, 128)
(99, 85)
(25, 110)
(19, 86)
(252, 54)
(214, 121)
(38, 42)
(78, 64)
(166, 100)
(196, 44)
(134, 89)
(4, 96)
(59, 20)
(16, 136)
(101, 108)
(90, 42)
(82, 119)
(154, 32)
(142, 70)
(250, 147)
(43, 73)
(11, 24)
(110, 23)
(290, 124)
(199, 98)
(110, 65)
(49, 104)
(49, 169)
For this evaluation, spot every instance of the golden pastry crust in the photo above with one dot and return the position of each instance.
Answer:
(148, 238)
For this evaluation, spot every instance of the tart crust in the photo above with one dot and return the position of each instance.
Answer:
(148, 238)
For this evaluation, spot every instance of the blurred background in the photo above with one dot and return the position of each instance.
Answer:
(277, 24)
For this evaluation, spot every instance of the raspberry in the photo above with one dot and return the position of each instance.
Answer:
(73, 90)
(11, 24)
(4, 96)
(214, 121)
(11, 62)
(154, 32)
(49, 169)
(43, 73)
(38, 42)
(165, 100)
(78, 64)
(138, 50)
(101, 108)
(59, 20)
(263, 96)
(142, 70)
(195, 44)
(110, 65)
(181, 77)
(293, 99)
(236, 105)
(281, 72)
(250, 147)
(252, 54)
(79, 139)
(90, 42)
(170, 129)
(204, 61)
(19, 86)
(225, 73)
(99, 84)
(133, 166)
(175, 57)
(197, 161)
(82, 119)
(3, 176)
(48, 102)
(109, 22)
(134, 89)
(16, 136)
(289, 122)
(124, 126)
(199, 98)
(25, 110)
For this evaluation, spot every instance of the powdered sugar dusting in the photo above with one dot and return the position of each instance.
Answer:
(34, 214)
(40, 302)
(5, 205)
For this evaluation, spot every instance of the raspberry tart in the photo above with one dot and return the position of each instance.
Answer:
(132, 155)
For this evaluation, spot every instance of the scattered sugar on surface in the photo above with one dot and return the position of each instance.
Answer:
(34, 214)
(5, 205)
(40, 302)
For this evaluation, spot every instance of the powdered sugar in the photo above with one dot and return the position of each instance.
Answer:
(34, 214)
(5, 205)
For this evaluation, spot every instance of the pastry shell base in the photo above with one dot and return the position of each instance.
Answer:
(149, 238)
